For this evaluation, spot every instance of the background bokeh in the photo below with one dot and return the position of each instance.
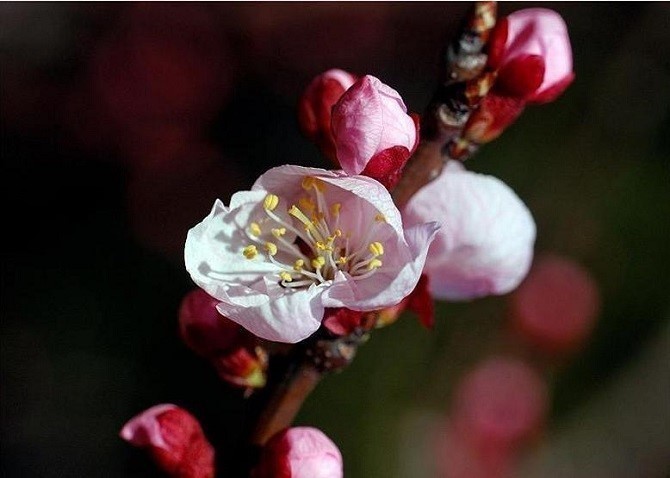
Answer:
(121, 123)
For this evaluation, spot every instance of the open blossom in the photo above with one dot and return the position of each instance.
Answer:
(316, 104)
(300, 452)
(533, 53)
(301, 240)
(485, 245)
(371, 128)
(175, 440)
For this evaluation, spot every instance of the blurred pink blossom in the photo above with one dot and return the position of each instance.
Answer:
(556, 306)
(485, 245)
(175, 440)
(499, 405)
(302, 240)
(368, 120)
(300, 452)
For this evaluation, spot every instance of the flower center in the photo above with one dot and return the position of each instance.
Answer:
(321, 247)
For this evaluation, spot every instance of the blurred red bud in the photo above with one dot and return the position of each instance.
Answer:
(342, 321)
(316, 103)
(556, 306)
(494, 114)
(203, 329)
(243, 366)
(175, 440)
(300, 452)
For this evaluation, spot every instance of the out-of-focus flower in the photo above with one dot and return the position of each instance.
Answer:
(485, 245)
(372, 130)
(175, 440)
(535, 63)
(301, 240)
(316, 104)
(300, 452)
(556, 306)
(236, 355)
(499, 405)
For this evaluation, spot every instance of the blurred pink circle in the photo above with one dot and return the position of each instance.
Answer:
(556, 306)
(500, 404)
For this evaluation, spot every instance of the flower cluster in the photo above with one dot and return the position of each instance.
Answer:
(307, 249)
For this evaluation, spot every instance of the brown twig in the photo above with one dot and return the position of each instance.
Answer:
(463, 83)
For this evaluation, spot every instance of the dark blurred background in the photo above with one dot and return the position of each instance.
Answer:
(121, 123)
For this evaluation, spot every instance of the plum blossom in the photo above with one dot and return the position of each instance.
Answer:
(300, 452)
(485, 245)
(531, 48)
(370, 122)
(301, 240)
(175, 440)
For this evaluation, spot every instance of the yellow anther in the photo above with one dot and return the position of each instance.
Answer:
(285, 276)
(307, 203)
(338, 232)
(298, 264)
(374, 264)
(376, 249)
(270, 202)
(318, 262)
(335, 209)
(250, 251)
(300, 216)
(320, 245)
(342, 260)
(255, 229)
(278, 232)
(380, 217)
(271, 248)
(310, 182)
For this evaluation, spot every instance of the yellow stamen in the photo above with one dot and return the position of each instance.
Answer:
(320, 245)
(300, 216)
(342, 260)
(270, 202)
(318, 262)
(285, 276)
(335, 209)
(297, 265)
(271, 248)
(376, 249)
(380, 217)
(374, 264)
(278, 232)
(250, 251)
(255, 229)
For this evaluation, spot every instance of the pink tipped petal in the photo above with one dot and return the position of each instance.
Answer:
(485, 245)
(369, 118)
(300, 452)
(144, 429)
(538, 32)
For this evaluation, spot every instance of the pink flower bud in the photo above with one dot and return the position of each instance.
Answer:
(203, 328)
(535, 63)
(556, 306)
(499, 405)
(485, 244)
(368, 120)
(175, 440)
(316, 104)
(300, 452)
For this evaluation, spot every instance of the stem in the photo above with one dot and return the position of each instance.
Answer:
(286, 402)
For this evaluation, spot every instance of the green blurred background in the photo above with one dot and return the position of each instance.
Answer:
(97, 204)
